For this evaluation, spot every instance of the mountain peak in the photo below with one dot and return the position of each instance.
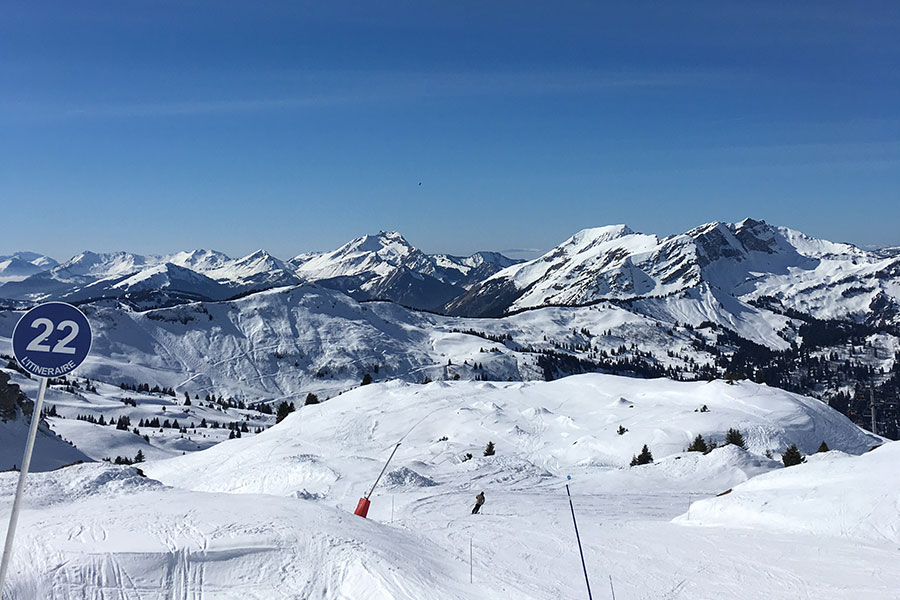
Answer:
(605, 233)
(391, 241)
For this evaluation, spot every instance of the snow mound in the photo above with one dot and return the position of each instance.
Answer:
(832, 494)
(78, 482)
(405, 477)
(696, 472)
(124, 536)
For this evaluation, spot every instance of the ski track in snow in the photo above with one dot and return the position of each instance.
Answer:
(270, 515)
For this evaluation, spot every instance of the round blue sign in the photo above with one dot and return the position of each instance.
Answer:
(52, 339)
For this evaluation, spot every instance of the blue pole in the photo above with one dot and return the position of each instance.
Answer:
(578, 537)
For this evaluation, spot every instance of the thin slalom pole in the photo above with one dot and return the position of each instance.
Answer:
(578, 537)
(470, 559)
(20, 488)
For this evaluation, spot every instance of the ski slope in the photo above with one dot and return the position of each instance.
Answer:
(270, 515)
(821, 497)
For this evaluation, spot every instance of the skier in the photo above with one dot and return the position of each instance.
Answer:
(479, 500)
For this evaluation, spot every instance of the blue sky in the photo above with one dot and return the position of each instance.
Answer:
(157, 126)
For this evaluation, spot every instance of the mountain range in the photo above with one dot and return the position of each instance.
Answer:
(382, 266)
(748, 299)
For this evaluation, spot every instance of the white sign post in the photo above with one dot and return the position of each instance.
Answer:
(49, 340)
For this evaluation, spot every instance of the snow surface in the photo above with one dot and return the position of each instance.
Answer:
(51, 452)
(832, 494)
(97, 442)
(270, 516)
(551, 428)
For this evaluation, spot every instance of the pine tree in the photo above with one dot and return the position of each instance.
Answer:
(366, 380)
(311, 399)
(489, 449)
(231, 435)
(734, 437)
(823, 447)
(792, 456)
(139, 457)
(644, 458)
(698, 445)
(284, 409)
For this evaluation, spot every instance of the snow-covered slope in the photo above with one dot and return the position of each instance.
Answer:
(105, 532)
(290, 341)
(831, 494)
(549, 428)
(50, 451)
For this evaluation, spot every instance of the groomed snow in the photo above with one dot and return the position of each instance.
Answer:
(832, 494)
(103, 532)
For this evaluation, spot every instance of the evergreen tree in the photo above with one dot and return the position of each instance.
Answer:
(311, 399)
(284, 409)
(139, 457)
(489, 449)
(366, 380)
(231, 435)
(644, 458)
(698, 445)
(621, 430)
(823, 447)
(792, 456)
(734, 437)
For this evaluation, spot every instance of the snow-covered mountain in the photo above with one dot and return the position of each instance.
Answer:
(160, 285)
(18, 266)
(730, 268)
(720, 298)
(386, 266)
(179, 277)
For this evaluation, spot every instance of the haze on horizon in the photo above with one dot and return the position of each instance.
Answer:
(160, 127)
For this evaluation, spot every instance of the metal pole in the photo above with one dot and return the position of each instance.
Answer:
(872, 408)
(611, 588)
(392, 508)
(26, 462)
(578, 537)
(383, 469)
(470, 560)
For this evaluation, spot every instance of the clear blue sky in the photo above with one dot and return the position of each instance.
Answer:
(156, 126)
